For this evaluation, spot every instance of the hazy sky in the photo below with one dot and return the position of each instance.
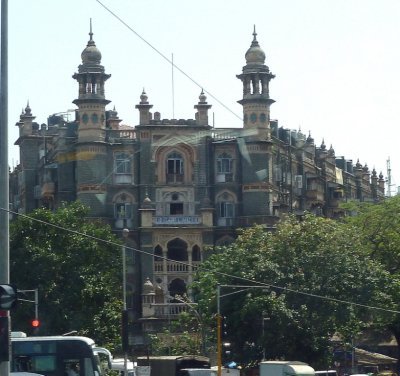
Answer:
(337, 63)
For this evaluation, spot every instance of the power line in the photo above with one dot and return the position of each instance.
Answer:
(257, 284)
(168, 60)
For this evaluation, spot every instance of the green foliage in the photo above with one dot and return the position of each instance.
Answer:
(78, 277)
(299, 263)
(378, 226)
(179, 337)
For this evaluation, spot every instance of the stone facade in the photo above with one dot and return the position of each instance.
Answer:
(179, 185)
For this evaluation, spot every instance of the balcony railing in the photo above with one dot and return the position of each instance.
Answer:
(175, 178)
(170, 310)
(118, 135)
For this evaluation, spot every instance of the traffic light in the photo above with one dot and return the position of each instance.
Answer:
(35, 323)
(4, 339)
(8, 297)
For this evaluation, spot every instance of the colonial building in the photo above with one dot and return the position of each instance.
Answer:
(179, 185)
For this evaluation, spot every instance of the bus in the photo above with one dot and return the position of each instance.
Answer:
(58, 355)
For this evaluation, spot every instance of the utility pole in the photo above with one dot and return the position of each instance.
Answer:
(4, 172)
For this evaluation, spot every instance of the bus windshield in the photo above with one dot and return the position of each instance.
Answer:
(57, 356)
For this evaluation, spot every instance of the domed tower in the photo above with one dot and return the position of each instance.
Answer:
(91, 149)
(91, 100)
(256, 77)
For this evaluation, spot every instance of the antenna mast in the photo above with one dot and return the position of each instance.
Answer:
(173, 88)
(389, 177)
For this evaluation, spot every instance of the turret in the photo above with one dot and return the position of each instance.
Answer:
(91, 96)
(202, 110)
(255, 78)
(144, 109)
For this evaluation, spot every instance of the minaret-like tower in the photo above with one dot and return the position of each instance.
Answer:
(257, 166)
(91, 100)
(256, 77)
(91, 149)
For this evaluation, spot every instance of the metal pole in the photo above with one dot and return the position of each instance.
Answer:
(4, 172)
(219, 344)
(36, 304)
(125, 234)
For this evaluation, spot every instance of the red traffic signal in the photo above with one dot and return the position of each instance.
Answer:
(35, 323)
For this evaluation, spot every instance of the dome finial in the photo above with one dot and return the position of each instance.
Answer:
(255, 55)
(91, 54)
(91, 32)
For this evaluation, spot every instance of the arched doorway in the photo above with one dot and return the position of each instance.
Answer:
(177, 250)
(177, 287)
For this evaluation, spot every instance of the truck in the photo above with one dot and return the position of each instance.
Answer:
(285, 368)
(172, 365)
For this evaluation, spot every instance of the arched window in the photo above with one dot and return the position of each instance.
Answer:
(123, 208)
(177, 287)
(196, 255)
(174, 168)
(158, 253)
(224, 168)
(123, 203)
(177, 250)
(226, 209)
(158, 259)
(122, 168)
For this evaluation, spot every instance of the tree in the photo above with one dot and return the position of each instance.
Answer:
(179, 337)
(78, 276)
(378, 224)
(298, 263)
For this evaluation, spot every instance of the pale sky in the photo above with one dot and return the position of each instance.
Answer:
(337, 64)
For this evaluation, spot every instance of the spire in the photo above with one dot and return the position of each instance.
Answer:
(254, 43)
(91, 54)
(255, 55)
(91, 32)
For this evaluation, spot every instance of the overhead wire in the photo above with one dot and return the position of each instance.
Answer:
(167, 59)
(249, 280)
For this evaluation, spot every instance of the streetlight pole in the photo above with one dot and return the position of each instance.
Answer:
(125, 234)
(219, 344)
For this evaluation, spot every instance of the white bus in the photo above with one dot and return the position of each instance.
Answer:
(58, 356)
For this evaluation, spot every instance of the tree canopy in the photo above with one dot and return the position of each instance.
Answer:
(310, 270)
(378, 226)
(78, 276)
